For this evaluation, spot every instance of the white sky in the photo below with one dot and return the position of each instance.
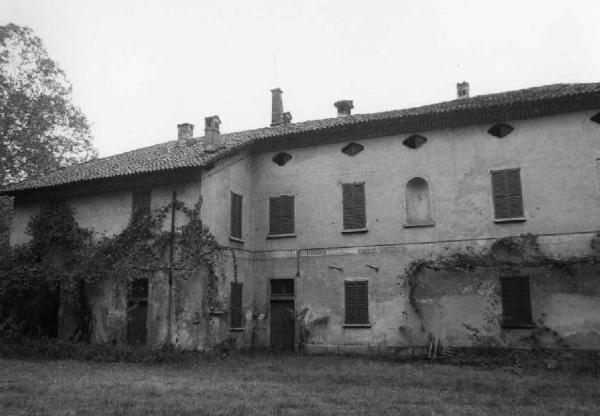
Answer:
(140, 67)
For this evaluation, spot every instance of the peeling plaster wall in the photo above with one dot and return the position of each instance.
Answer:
(557, 157)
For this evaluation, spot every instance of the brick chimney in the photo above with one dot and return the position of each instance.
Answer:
(185, 132)
(211, 127)
(276, 107)
(462, 90)
(344, 108)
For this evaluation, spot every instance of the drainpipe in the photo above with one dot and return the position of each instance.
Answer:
(171, 252)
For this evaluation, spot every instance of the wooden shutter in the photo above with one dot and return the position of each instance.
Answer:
(353, 195)
(516, 301)
(236, 216)
(357, 302)
(281, 215)
(140, 202)
(235, 305)
(507, 194)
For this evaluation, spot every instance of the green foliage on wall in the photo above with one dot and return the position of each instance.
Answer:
(62, 261)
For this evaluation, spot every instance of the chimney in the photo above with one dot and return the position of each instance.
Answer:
(462, 90)
(287, 118)
(344, 108)
(211, 127)
(185, 132)
(276, 107)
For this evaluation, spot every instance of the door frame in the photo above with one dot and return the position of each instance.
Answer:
(283, 297)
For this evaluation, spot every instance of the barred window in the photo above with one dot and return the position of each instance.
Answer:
(235, 305)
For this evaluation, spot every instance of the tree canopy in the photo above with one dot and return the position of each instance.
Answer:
(40, 127)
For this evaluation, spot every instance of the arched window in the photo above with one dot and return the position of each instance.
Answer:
(418, 204)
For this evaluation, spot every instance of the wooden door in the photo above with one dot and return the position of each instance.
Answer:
(137, 312)
(283, 325)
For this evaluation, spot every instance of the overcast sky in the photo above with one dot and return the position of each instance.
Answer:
(140, 67)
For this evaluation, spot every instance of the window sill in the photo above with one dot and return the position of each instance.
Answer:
(355, 231)
(270, 236)
(237, 240)
(236, 329)
(357, 325)
(423, 225)
(504, 220)
(517, 325)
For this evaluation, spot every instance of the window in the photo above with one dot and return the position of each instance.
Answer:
(281, 215)
(235, 305)
(282, 158)
(137, 311)
(516, 302)
(235, 229)
(415, 141)
(357, 302)
(418, 204)
(506, 191)
(282, 287)
(140, 203)
(500, 130)
(353, 195)
(352, 149)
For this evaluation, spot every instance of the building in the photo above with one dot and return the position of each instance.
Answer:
(325, 221)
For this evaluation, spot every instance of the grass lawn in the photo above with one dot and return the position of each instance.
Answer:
(288, 385)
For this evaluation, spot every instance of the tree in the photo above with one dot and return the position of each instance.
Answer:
(40, 128)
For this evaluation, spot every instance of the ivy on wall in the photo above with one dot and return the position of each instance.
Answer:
(62, 261)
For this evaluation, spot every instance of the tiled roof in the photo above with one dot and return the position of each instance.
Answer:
(171, 155)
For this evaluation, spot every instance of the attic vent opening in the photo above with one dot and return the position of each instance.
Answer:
(353, 149)
(500, 130)
(596, 118)
(415, 141)
(282, 158)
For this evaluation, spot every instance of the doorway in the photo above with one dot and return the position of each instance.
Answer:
(137, 312)
(283, 315)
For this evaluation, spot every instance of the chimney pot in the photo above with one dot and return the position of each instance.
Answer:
(462, 90)
(287, 118)
(276, 107)
(344, 108)
(185, 132)
(211, 127)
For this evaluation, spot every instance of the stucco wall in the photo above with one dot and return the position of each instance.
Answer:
(561, 190)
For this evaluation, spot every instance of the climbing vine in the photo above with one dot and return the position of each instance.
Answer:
(508, 255)
(62, 261)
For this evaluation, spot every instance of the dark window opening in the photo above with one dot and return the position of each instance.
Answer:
(500, 130)
(137, 312)
(282, 158)
(516, 302)
(415, 141)
(235, 305)
(353, 195)
(140, 204)
(507, 194)
(357, 302)
(596, 118)
(281, 215)
(352, 149)
(282, 287)
(235, 229)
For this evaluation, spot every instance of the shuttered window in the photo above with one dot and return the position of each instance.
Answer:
(235, 305)
(506, 190)
(357, 302)
(516, 302)
(354, 206)
(140, 202)
(281, 215)
(236, 216)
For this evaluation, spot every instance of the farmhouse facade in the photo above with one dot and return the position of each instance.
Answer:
(365, 231)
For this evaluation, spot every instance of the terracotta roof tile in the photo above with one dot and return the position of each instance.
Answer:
(171, 155)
